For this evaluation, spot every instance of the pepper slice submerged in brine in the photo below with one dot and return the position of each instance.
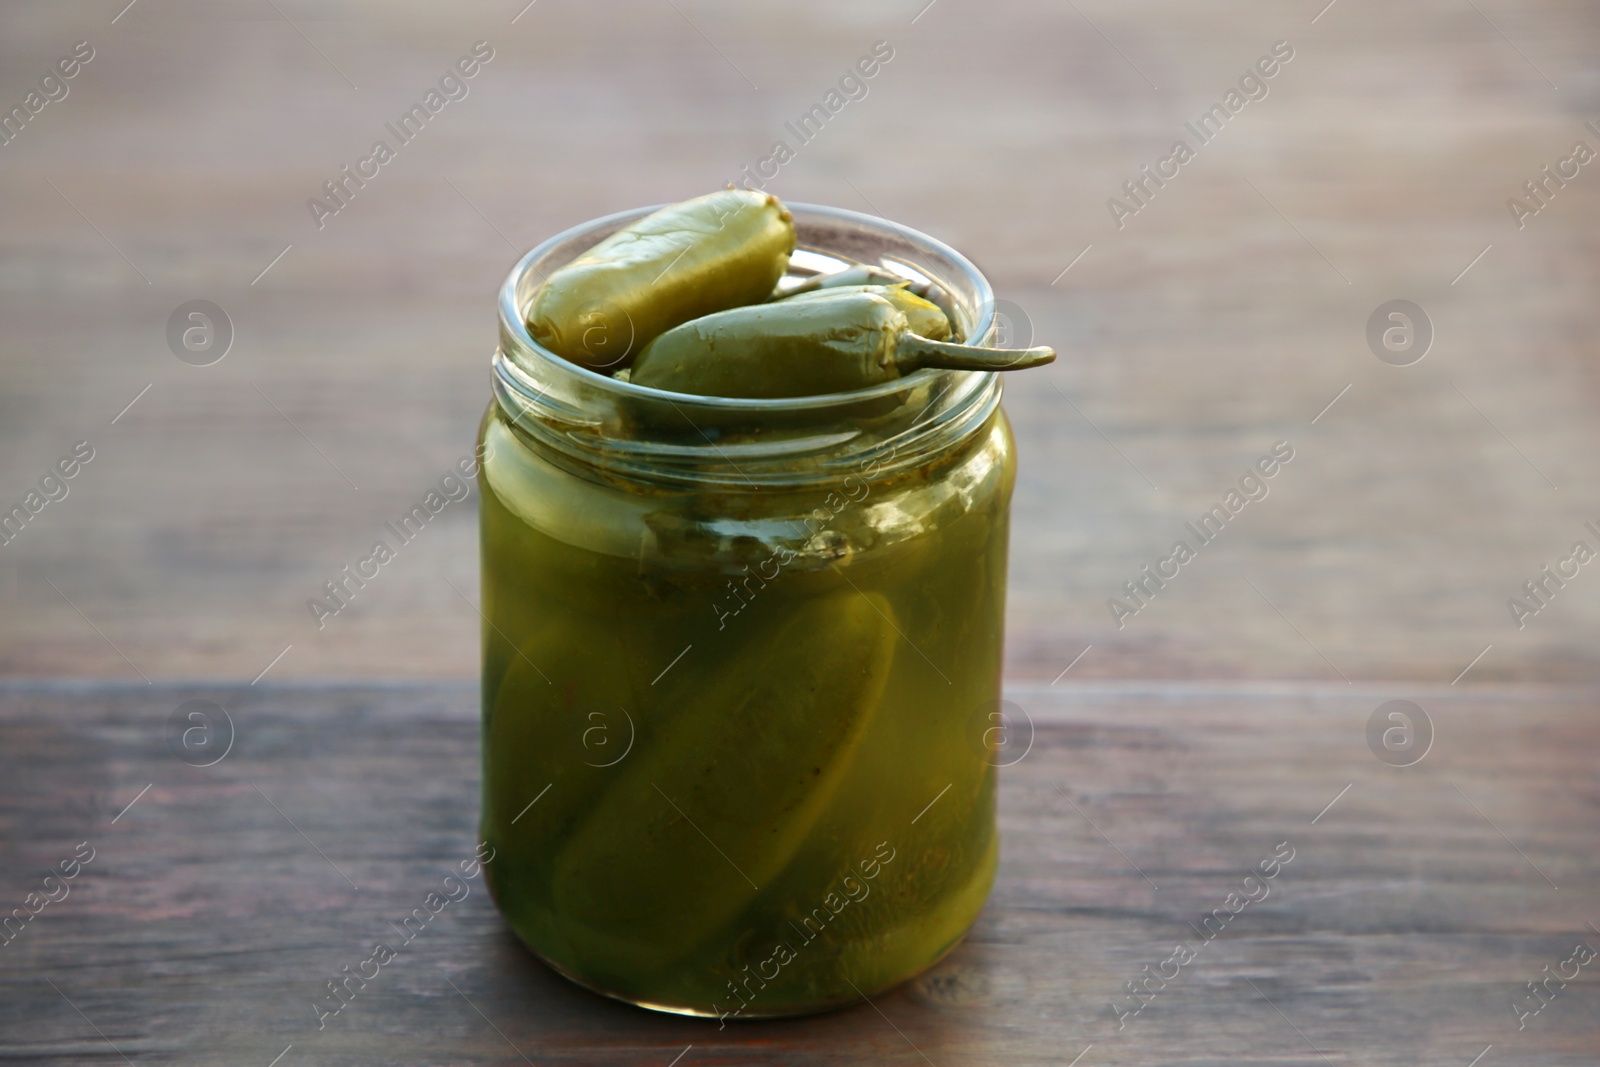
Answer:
(747, 754)
(687, 260)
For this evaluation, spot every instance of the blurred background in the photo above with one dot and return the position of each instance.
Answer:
(1200, 324)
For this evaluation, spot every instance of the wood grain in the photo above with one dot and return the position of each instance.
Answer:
(1414, 909)
(1222, 318)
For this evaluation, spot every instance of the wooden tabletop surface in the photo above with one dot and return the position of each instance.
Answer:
(1175, 747)
(1411, 907)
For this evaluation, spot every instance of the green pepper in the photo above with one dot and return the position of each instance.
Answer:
(925, 319)
(791, 348)
(746, 757)
(687, 260)
(555, 731)
(849, 277)
(853, 278)
(552, 733)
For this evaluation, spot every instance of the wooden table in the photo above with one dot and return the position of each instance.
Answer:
(1416, 904)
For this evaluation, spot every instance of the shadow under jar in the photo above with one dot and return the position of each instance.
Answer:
(740, 660)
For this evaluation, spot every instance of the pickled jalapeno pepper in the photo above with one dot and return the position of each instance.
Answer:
(690, 259)
(862, 275)
(777, 729)
(857, 275)
(806, 347)
(923, 318)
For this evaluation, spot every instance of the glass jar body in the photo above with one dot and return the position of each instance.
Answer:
(738, 742)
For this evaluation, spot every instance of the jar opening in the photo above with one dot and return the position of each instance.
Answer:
(654, 435)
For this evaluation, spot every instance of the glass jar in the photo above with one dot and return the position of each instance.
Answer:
(741, 659)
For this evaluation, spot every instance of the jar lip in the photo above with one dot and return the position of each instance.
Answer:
(514, 326)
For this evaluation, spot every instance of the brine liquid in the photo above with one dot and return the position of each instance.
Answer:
(739, 747)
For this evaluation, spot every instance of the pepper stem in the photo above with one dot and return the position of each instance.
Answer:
(914, 352)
